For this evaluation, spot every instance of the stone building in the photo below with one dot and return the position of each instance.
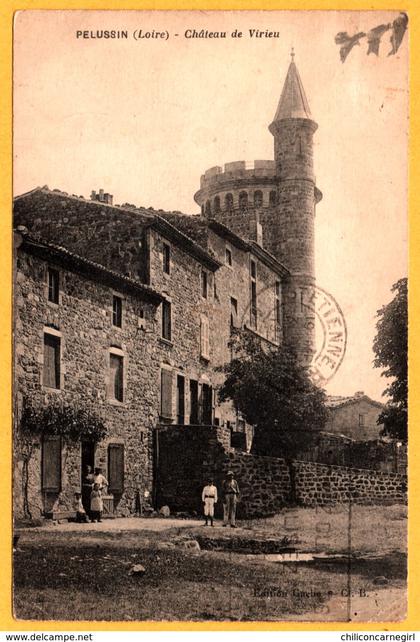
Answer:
(182, 283)
(355, 417)
(84, 335)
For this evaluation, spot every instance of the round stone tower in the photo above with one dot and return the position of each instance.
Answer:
(289, 234)
(273, 203)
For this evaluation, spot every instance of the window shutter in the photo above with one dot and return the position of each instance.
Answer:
(116, 468)
(51, 370)
(116, 379)
(51, 464)
(166, 394)
(204, 335)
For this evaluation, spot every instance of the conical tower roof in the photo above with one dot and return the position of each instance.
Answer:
(293, 102)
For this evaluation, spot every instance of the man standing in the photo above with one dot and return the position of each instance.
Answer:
(209, 498)
(231, 495)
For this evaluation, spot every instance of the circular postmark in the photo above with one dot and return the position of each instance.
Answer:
(330, 335)
(310, 314)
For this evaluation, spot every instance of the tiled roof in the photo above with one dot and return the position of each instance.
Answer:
(339, 401)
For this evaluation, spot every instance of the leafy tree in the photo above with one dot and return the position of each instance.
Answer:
(390, 348)
(274, 393)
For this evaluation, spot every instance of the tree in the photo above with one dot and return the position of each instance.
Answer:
(390, 348)
(275, 394)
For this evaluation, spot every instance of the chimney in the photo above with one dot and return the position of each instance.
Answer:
(359, 393)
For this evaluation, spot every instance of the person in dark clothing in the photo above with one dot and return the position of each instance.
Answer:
(230, 499)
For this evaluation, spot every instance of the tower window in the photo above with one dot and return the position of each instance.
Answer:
(117, 311)
(208, 208)
(229, 202)
(53, 285)
(258, 198)
(243, 200)
(166, 258)
(217, 204)
(204, 284)
(273, 197)
(228, 256)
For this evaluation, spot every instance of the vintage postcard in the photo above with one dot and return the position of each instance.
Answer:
(210, 269)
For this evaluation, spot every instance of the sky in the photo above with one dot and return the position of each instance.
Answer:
(144, 118)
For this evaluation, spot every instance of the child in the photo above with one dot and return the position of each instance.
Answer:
(96, 504)
(81, 516)
(209, 498)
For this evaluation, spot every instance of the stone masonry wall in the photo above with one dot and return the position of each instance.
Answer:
(83, 317)
(188, 456)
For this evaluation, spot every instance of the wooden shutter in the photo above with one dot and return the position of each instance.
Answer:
(116, 468)
(116, 372)
(166, 394)
(51, 464)
(204, 337)
(51, 370)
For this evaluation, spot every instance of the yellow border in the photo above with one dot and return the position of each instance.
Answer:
(7, 8)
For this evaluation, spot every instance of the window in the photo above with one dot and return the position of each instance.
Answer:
(253, 308)
(361, 420)
(217, 204)
(258, 198)
(180, 399)
(166, 258)
(166, 393)
(228, 256)
(166, 321)
(253, 270)
(51, 371)
(204, 338)
(51, 464)
(243, 200)
(116, 363)
(273, 197)
(229, 202)
(277, 309)
(208, 208)
(53, 285)
(116, 469)
(117, 311)
(204, 284)
(193, 402)
(233, 313)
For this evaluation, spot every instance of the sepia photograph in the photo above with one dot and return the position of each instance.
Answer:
(210, 316)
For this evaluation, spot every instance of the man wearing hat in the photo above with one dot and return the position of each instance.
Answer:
(231, 495)
(209, 497)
